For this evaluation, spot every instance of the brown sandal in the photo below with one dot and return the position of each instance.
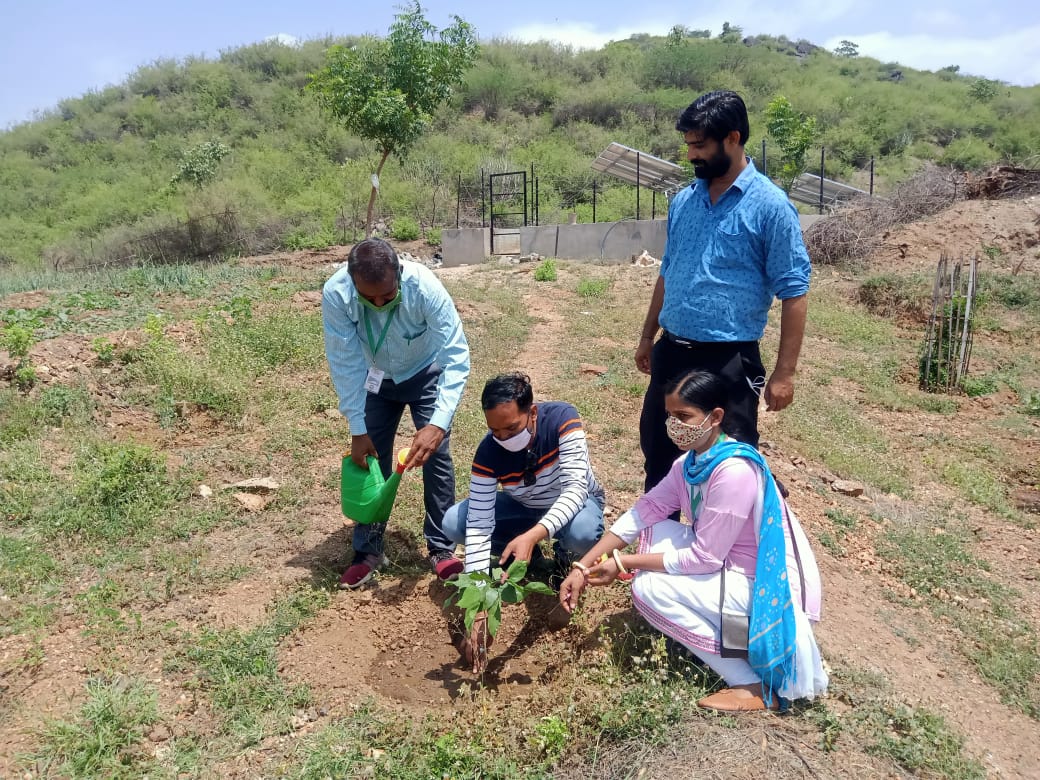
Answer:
(744, 698)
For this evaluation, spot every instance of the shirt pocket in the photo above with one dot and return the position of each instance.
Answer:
(411, 335)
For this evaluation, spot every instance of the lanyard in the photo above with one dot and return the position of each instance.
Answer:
(382, 336)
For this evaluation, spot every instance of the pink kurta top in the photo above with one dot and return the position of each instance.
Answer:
(724, 527)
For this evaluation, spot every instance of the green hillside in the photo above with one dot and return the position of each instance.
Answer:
(91, 180)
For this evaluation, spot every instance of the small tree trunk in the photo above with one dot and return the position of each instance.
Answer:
(372, 197)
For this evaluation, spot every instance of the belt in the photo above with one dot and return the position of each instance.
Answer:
(678, 341)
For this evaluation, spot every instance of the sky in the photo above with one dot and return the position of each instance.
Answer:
(56, 49)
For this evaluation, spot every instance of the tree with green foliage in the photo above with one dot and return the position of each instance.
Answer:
(847, 49)
(731, 33)
(794, 133)
(983, 90)
(198, 165)
(386, 90)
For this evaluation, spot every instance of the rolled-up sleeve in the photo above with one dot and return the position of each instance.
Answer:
(453, 357)
(787, 261)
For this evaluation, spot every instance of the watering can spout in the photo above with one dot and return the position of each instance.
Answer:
(365, 496)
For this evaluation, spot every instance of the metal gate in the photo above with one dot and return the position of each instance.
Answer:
(507, 195)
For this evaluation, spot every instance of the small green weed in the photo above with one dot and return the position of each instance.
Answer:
(1031, 404)
(59, 404)
(593, 288)
(546, 271)
(105, 350)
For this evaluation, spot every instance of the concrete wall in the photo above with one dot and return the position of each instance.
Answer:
(594, 241)
(465, 246)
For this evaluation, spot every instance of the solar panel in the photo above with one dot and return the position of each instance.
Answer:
(641, 169)
(806, 189)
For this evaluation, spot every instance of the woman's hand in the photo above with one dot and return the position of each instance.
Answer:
(476, 648)
(571, 590)
(603, 573)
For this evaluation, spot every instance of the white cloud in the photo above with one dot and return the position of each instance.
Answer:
(583, 35)
(283, 38)
(1013, 57)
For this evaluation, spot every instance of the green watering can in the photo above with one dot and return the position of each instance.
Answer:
(365, 497)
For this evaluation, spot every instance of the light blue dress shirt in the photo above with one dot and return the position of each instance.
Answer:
(425, 329)
(725, 262)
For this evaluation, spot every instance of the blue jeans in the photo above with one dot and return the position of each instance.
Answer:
(513, 518)
(383, 411)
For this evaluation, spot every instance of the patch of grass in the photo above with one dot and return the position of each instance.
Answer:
(104, 739)
(889, 295)
(944, 576)
(974, 386)
(913, 738)
(978, 484)
(60, 404)
(593, 288)
(372, 742)
(849, 326)
(239, 669)
(252, 346)
(921, 741)
(29, 581)
(1020, 291)
(826, 428)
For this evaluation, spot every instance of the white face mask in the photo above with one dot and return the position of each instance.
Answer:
(684, 435)
(516, 442)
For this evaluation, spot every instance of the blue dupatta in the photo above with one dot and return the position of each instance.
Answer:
(771, 634)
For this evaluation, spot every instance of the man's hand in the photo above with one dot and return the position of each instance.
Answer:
(522, 546)
(360, 448)
(571, 590)
(646, 346)
(476, 648)
(426, 441)
(779, 392)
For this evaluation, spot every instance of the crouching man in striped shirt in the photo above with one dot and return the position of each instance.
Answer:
(537, 453)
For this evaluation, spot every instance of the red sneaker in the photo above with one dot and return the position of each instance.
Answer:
(361, 571)
(446, 565)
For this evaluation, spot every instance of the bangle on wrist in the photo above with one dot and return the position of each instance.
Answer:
(620, 565)
(581, 567)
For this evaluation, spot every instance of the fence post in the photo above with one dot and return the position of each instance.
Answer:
(593, 201)
(637, 186)
(823, 159)
(482, 198)
(765, 165)
(458, 201)
(653, 205)
(537, 211)
(871, 175)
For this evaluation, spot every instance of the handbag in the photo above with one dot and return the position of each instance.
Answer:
(733, 636)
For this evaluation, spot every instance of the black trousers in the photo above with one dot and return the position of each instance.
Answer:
(383, 412)
(735, 361)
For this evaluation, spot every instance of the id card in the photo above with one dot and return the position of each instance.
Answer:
(374, 379)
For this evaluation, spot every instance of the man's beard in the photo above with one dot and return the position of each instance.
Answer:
(714, 167)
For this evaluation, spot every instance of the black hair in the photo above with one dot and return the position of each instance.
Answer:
(504, 388)
(703, 389)
(372, 260)
(716, 115)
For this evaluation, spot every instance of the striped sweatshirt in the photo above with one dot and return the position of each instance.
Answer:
(564, 479)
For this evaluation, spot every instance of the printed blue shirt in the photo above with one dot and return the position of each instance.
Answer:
(425, 329)
(724, 263)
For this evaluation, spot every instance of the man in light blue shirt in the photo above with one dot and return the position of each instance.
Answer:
(734, 244)
(394, 339)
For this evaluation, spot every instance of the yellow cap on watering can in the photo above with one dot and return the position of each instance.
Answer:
(365, 497)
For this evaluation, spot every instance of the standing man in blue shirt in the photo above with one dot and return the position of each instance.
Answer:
(394, 339)
(734, 243)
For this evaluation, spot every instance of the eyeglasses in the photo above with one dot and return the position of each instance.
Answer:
(530, 465)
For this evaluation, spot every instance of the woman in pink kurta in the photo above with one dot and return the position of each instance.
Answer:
(679, 566)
